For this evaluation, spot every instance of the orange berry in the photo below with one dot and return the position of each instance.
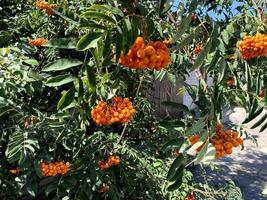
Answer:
(219, 126)
(38, 42)
(140, 41)
(218, 146)
(240, 140)
(230, 81)
(141, 53)
(228, 151)
(104, 189)
(150, 50)
(262, 93)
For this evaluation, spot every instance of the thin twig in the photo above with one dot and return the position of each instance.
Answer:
(84, 60)
(126, 124)
(188, 164)
(259, 12)
(203, 25)
(172, 18)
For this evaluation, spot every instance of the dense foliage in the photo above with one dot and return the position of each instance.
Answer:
(67, 134)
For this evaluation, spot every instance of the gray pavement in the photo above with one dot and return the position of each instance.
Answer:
(248, 167)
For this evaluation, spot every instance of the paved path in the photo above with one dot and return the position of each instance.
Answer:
(247, 168)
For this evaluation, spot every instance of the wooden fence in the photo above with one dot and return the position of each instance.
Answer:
(165, 91)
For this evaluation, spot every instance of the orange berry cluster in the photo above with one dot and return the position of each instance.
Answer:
(104, 189)
(121, 110)
(225, 141)
(198, 48)
(48, 8)
(193, 140)
(190, 197)
(111, 161)
(15, 171)
(154, 55)
(38, 42)
(230, 81)
(55, 168)
(253, 46)
(262, 94)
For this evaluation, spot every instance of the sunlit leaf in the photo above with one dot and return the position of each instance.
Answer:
(62, 64)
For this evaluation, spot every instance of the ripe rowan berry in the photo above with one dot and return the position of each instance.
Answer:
(38, 42)
(110, 162)
(154, 55)
(261, 94)
(104, 189)
(225, 141)
(253, 46)
(230, 82)
(120, 110)
(190, 197)
(15, 171)
(48, 8)
(197, 49)
(55, 168)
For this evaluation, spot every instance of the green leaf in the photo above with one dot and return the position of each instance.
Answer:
(62, 43)
(213, 62)
(50, 188)
(222, 68)
(80, 91)
(260, 121)
(91, 24)
(62, 64)
(178, 106)
(159, 75)
(98, 15)
(172, 125)
(189, 89)
(119, 43)
(263, 127)
(177, 163)
(225, 37)
(176, 184)
(35, 76)
(172, 78)
(202, 153)
(178, 174)
(248, 77)
(32, 62)
(180, 11)
(108, 8)
(66, 99)
(198, 144)
(200, 59)
(67, 15)
(32, 189)
(5, 38)
(197, 127)
(107, 46)
(258, 81)
(184, 42)
(174, 143)
(183, 27)
(88, 41)
(59, 80)
(90, 72)
(164, 6)
(253, 115)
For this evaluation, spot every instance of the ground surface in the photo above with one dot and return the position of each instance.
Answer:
(247, 168)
